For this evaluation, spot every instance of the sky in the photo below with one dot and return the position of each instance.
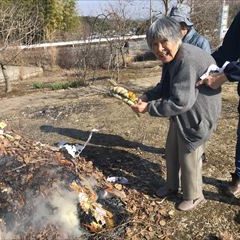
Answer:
(138, 9)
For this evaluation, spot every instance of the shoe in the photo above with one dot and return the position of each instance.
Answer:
(165, 192)
(187, 205)
(234, 185)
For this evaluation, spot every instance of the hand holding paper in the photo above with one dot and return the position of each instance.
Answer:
(214, 77)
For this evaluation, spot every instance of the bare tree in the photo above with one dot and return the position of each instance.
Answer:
(166, 5)
(120, 27)
(19, 24)
(114, 25)
(206, 20)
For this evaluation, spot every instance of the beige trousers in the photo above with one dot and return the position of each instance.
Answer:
(183, 167)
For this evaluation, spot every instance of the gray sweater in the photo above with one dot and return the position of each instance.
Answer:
(195, 109)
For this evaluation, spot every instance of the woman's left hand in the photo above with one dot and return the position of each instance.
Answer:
(140, 107)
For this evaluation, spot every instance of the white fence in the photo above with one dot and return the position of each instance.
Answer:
(83, 42)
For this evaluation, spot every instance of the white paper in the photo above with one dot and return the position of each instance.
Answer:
(213, 68)
(75, 149)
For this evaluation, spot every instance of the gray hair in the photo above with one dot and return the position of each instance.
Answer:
(164, 29)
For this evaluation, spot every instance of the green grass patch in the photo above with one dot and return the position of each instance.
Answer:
(57, 85)
(38, 85)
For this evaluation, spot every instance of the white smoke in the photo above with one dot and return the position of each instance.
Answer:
(58, 209)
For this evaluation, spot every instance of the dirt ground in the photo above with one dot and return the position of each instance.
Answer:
(133, 147)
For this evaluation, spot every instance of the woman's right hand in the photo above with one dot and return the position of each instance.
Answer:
(140, 107)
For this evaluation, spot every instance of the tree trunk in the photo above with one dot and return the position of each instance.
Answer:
(122, 52)
(8, 87)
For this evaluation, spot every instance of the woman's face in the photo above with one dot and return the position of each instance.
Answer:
(165, 50)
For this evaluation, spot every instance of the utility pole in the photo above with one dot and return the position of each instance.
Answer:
(224, 19)
(150, 9)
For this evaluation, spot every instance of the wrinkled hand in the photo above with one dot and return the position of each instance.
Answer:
(214, 80)
(140, 107)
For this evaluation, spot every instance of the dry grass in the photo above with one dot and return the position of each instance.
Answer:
(134, 148)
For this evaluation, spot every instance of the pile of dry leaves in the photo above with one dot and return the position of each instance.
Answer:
(47, 194)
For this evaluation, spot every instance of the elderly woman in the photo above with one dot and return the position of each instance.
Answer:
(193, 112)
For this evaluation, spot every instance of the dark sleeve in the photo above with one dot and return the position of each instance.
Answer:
(230, 49)
(232, 71)
(155, 92)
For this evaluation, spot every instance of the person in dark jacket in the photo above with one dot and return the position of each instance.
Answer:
(181, 13)
(229, 51)
(193, 112)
